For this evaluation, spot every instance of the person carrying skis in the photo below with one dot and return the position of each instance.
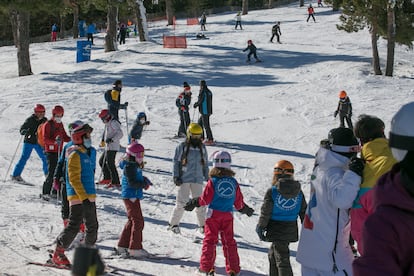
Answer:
(133, 182)
(113, 99)
(59, 177)
(138, 127)
(111, 141)
(81, 191)
(276, 32)
(54, 135)
(282, 205)
(221, 193)
(183, 102)
(190, 169)
(311, 13)
(252, 51)
(378, 160)
(344, 110)
(238, 21)
(387, 232)
(30, 142)
(324, 239)
(205, 107)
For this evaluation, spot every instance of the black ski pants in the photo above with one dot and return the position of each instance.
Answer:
(277, 37)
(204, 122)
(184, 121)
(85, 212)
(279, 262)
(342, 118)
(109, 168)
(52, 159)
(238, 23)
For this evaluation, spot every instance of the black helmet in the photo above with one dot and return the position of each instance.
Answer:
(343, 141)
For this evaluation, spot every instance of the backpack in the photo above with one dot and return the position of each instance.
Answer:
(41, 133)
(274, 29)
(108, 97)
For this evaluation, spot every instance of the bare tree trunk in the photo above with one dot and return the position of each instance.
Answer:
(13, 21)
(301, 3)
(169, 10)
(62, 27)
(375, 56)
(141, 20)
(23, 42)
(391, 40)
(75, 27)
(336, 5)
(245, 7)
(270, 4)
(110, 38)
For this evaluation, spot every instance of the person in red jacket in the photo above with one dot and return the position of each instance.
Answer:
(311, 13)
(54, 136)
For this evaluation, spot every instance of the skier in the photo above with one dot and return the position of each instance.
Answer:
(190, 169)
(282, 205)
(113, 99)
(130, 241)
(59, 177)
(221, 193)
(138, 126)
(30, 143)
(203, 21)
(324, 240)
(205, 107)
(238, 21)
(183, 102)
(378, 160)
(252, 51)
(111, 138)
(123, 34)
(387, 232)
(91, 30)
(80, 187)
(276, 32)
(344, 110)
(54, 32)
(54, 136)
(320, 3)
(311, 13)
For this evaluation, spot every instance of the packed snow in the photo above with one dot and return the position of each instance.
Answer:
(262, 112)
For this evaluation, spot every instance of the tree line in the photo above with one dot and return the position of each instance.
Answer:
(392, 20)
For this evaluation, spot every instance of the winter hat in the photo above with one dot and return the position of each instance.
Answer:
(402, 132)
(368, 128)
(343, 141)
(203, 83)
(117, 82)
(185, 84)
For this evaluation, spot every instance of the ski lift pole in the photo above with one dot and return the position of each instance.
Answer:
(14, 156)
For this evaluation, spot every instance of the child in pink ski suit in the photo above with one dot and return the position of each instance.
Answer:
(221, 193)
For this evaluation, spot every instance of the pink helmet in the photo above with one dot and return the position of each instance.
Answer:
(136, 150)
(221, 159)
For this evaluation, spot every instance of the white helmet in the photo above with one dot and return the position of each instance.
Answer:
(402, 132)
(221, 159)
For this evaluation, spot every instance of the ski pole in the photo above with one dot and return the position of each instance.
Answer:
(14, 156)
(126, 118)
(104, 158)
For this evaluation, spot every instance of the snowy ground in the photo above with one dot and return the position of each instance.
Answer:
(278, 109)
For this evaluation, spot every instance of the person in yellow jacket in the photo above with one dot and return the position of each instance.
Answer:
(378, 160)
(80, 186)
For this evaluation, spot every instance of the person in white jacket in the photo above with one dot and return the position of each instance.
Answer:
(111, 140)
(324, 240)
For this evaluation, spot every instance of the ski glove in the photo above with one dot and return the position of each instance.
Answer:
(356, 165)
(336, 114)
(123, 106)
(177, 181)
(56, 184)
(261, 232)
(147, 182)
(58, 139)
(102, 144)
(195, 105)
(109, 140)
(246, 210)
(189, 206)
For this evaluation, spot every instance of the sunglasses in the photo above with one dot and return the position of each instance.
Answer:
(282, 171)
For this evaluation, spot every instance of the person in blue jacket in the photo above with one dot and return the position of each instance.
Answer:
(205, 107)
(133, 182)
(282, 205)
(90, 31)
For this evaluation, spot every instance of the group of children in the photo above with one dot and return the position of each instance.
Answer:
(343, 188)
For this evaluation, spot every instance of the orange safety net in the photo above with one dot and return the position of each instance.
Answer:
(174, 42)
(192, 21)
